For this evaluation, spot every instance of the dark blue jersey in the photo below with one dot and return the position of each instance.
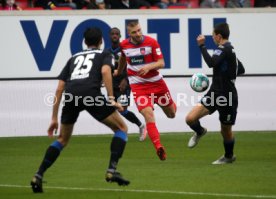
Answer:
(117, 80)
(82, 73)
(225, 67)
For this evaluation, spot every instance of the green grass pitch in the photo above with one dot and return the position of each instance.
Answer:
(187, 173)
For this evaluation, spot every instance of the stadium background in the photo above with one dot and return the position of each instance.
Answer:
(35, 46)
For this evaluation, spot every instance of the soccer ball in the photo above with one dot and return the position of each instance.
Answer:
(199, 82)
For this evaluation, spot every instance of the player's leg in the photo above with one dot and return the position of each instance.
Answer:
(192, 119)
(164, 99)
(69, 116)
(228, 140)
(56, 147)
(51, 154)
(228, 143)
(130, 116)
(119, 140)
(144, 102)
(153, 132)
(227, 117)
(170, 110)
(124, 99)
(117, 147)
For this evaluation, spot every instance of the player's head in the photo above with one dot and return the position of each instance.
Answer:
(93, 36)
(115, 35)
(221, 32)
(134, 31)
(100, 4)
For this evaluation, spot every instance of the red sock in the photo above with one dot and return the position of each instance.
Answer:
(154, 134)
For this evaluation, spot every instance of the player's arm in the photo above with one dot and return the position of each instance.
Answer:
(107, 80)
(160, 63)
(121, 66)
(124, 82)
(123, 85)
(241, 69)
(58, 95)
(157, 56)
(211, 61)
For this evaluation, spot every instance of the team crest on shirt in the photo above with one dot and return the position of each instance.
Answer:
(217, 52)
(143, 51)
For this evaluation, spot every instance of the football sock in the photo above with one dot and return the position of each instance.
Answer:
(51, 155)
(197, 127)
(154, 134)
(229, 147)
(117, 148)
(130, 116)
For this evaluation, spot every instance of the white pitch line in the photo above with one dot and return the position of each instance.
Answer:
(147, 191)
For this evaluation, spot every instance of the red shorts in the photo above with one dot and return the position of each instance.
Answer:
(148, 94)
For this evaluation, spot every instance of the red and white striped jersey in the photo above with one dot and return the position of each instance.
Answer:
(138, 55)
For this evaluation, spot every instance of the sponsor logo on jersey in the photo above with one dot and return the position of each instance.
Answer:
(137, 60)
(158, 51)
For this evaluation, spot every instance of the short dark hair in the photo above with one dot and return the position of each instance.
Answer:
(222, 29)
(93, 36)
(115, 28)
(132, 23)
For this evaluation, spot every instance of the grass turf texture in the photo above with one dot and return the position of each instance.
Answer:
(187, 173)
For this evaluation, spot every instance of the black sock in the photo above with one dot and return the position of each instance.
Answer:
(50, 157)
(229, 148)
(197, 128)
(130, 116)
(117, 148)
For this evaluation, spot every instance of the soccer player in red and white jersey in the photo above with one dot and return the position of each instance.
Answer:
(143, 57)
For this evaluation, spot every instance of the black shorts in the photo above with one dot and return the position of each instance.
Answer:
(122, 97)
(226, 105)
(97, 107)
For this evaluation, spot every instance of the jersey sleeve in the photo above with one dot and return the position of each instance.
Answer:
(65, 73)
(108, 59)
(156, 50)
(214, 60)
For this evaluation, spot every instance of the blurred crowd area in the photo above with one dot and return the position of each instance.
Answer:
(10, 5)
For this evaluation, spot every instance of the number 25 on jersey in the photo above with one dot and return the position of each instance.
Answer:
(83, 65)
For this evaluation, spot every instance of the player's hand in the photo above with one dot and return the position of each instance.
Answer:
(111, 100)
(115, 73)
(200, 39)
(144, 70)
(117, 105)
(53, 128)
